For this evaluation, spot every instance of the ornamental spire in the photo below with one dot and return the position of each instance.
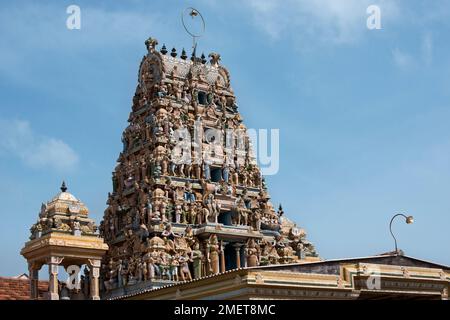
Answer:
(63, 186)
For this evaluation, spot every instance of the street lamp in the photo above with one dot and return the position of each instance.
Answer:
(408, 220)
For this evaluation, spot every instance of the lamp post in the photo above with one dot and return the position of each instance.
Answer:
(408, 220)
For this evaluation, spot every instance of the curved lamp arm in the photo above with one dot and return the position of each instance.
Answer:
(408, 220)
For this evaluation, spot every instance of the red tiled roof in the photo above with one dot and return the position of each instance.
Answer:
(19, 288)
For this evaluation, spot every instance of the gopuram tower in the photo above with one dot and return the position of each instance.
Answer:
(188, 198)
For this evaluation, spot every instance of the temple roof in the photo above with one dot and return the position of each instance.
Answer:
(64, 213)
(64, 202)
(332, 268)
(387, 259)
(18, 288)
(157, 64)
(65, 196)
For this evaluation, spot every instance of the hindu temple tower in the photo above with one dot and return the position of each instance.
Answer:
(190, 215)
(188, 198)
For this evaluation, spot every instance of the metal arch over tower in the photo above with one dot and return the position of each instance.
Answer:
(171, 220)
(193, 13)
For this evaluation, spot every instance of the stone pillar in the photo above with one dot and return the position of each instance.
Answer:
(206, 264)
(222, 257)
(34, 280)
(94, 266)
(237, 247)
(53, 264)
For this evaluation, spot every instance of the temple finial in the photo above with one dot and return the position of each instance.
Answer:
(173, 52)
(183, 54)
(151, 44)
(280, 210)
(63, 187)
(214, 59)
(163, 49)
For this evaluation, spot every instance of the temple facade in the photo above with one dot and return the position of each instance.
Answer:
(189, 215)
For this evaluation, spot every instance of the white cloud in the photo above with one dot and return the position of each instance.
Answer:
(37, 30)
(324, 21)
(18, 139)
(405, 60)
(402, 59)
(101, 27)
(427, 49)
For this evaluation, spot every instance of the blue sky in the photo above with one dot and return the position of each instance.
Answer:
(363, 114)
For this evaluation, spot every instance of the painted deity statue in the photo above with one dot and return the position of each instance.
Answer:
(252, 253)
(185, 273)
(197, 257)
(214, 250)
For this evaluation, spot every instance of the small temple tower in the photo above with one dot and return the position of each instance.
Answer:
(65, 236)
(188, 199)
